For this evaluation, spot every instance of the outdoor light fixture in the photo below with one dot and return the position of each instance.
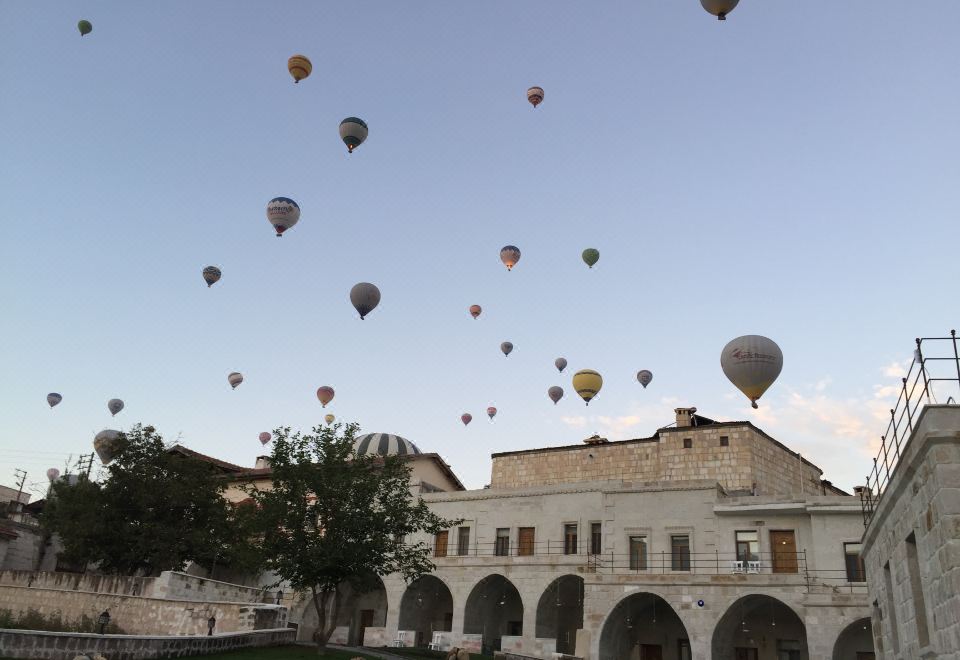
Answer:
(211, 622)
(103, 620)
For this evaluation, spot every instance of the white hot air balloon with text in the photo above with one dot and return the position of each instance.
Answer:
(752, 363)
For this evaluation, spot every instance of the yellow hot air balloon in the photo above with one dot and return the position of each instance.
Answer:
(299, 67)
(587, 383)
(329, 418)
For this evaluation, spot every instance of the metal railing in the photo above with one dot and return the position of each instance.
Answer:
(510, 548)
(935, 369)
(700, 563)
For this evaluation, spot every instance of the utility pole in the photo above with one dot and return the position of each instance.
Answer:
(85, 464)
(22, 476)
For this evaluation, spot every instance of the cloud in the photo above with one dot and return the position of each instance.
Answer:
(576, 422)
(897, 369)
(640, 420)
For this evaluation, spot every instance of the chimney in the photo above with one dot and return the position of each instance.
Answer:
(684, 416)
(858, 490)
(262, 462)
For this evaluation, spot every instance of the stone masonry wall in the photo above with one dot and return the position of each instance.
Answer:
(23, 552)
(922, 499)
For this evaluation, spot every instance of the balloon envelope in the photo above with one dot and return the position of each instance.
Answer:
(644, 376)
(560, 363)
(466, 418)
(752, 363)
(353, 131)
(235, 379)
(211, 275)
(114, 406)
(265, 437)
(535, 96)
(475, 310)
(587, 383)
(365, 297)
(53, 399)
(85, 27)
(325, 394)
(509, 255)
(329, 418)
(719, 8)
(555, 393)
(506, 347)
(107, 444)
(282, 213)
(53, 474)
(590, 256)
(492, 412)
(299, 67)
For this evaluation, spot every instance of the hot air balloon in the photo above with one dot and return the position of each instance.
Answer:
(475, 310)
(560, 363)
(235, 379)
(644, 376)
(535, 96)
(719, 8)
(591, 256)
(53, 399)
(506, 347)
(107, 444)
(328, 418)
(114, 406)
(353, 131)
(53, 474)
(466, 418)
(587, 383)
(85, 27)
(325, 394)
(365, 297)
(282, 213)
(510, 255)
(265, 437)
(752, 363)
(211, 275)
(491, 412)
(555, 393)
(299, 67)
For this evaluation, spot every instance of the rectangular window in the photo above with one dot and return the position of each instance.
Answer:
(680, 552)
(525, 538)
(596, 538)
(724, 441)
(440, 544)
(748, 546)
(688, 443)
(502, 547)
(638, 553)
(853, 562)
(463, 541)
(570, 539)
(916, 591)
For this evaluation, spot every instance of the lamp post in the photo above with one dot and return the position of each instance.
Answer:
(103, 620)
(211, 622)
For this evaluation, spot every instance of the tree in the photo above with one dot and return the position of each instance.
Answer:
(156, 511)
(333, 519)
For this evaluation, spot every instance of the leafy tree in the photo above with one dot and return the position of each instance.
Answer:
(333, 519)
(157, 510)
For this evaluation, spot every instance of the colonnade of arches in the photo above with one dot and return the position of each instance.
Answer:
(641, 626)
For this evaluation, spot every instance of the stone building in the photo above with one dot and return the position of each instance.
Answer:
(706, 540)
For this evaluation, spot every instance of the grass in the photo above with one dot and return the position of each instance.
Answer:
(280, 653)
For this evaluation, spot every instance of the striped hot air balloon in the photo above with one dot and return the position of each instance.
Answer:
(587, 383)
(235, 379)
(299, 67)
(53, 399)
(353, 131)
(535, 96)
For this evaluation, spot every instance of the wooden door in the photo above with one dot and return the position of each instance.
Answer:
(366, 619)
(525, 541)
(440, 544)
(651, 652)
(784, 548)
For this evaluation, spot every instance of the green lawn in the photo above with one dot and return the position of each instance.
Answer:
(280, 653)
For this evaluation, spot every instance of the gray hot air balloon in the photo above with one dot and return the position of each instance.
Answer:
(353, 131)
(114, 406)
(752, 363)
(235, 379)
(561, 364)
(644, 376)
(53, 399)
(719, 8)
(211, 275)
(107, 444)
(365, 297)
(555, 393)
(506, 347)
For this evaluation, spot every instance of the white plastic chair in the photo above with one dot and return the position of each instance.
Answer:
(401, 640)
(436, 642)
(753, 567)
(737, 566)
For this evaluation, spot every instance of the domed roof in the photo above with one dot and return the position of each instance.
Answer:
(384, 444)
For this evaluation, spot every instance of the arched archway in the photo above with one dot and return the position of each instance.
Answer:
(360, 608)
(560, 612)
(643, 626)
(760, 627)
(855, 642)
(426, 607)
(494, 609)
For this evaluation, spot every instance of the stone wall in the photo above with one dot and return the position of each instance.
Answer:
(911, 547)
(180, 586)
(66, 646)
(24, 551)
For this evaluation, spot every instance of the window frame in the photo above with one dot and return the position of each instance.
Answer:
(688, 443)
(724, 440)
(643, 560)
(678, 558)
(596, 537)
(750, 556)
(501, 543)
(463, 545)
(568, 547)
(861, 570)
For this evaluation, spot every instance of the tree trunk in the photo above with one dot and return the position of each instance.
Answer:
(325, 630)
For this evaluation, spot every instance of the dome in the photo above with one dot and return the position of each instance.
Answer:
(384, 444)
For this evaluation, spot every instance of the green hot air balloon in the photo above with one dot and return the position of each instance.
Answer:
(85, 27)
(591, 256)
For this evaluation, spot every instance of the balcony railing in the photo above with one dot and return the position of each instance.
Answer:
(934, 372)
(700, 563)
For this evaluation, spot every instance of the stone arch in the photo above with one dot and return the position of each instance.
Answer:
(359, 608)
(426, 607)
(764, 623)
(641, 625)
(855, 638)
(494, 609)
(560, 612)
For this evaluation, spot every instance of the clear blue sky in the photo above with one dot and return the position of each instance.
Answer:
(791, 172)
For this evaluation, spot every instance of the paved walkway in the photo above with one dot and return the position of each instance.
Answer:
(378, 653)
